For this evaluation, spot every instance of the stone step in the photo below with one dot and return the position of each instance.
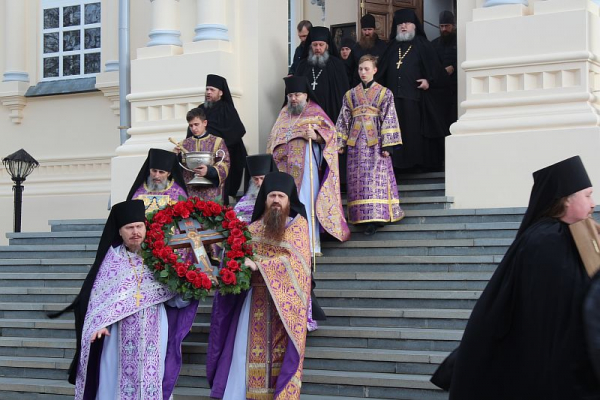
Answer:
(35, 388)
(63, 225)
(45, 265)
(54, 238)
(422, 190)
(421, 203)
(48, 251)
(404, 231)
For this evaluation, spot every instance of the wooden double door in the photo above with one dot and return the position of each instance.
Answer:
(383, 11)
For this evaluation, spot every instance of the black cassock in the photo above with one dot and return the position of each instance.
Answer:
(357, 52)
(224, 122)
(446, 88)
(525, 338)
(332, 84)
(421, 122)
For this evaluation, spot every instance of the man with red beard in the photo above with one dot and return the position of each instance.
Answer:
(272, 315)
(369, 43)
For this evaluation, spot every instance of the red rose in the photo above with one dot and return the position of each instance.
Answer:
(172, 258)
(181, 270)
(230, 215)
(199, 204)
(225, 224)
(190, 276)
(248, 250)
(181, 209)
(164, 253)
(230, 239)
(228, 277)
(216, 208)
(236, 232)
(155, 226)
(159, 245)
(233, 265)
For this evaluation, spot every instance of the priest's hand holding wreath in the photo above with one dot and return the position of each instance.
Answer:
(251, 264)
(99, 334)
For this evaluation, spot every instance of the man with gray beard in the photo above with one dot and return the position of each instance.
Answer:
(325, 71)
(408, 67)
(159, 182)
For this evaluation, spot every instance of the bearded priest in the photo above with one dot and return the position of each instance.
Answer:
(299, 120)
(129, 327)
(265, 356)
(159, 182)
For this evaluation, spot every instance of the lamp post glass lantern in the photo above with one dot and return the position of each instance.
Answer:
(19, 165)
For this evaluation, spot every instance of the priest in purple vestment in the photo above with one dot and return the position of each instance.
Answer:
(129, 327)
(302, 121)
(368, 127)
(258, 339)
(159, 182)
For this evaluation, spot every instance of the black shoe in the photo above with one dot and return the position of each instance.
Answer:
(371, 229)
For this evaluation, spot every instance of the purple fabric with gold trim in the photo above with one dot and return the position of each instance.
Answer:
(368, 122)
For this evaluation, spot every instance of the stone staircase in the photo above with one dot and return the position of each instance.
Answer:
(397, 302)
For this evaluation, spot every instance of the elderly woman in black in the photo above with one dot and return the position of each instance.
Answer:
(525, 338)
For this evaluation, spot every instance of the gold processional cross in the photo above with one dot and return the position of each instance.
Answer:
(193, 236)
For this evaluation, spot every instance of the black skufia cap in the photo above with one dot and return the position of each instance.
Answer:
(367, 21)
(280, 182)
(551, 184)
(220, 83)
(406, 15)
(260, 164)
(347, 42)
(128, 212)
(161, 159)
(447, 17)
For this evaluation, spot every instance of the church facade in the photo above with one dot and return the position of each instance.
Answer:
(527, 81)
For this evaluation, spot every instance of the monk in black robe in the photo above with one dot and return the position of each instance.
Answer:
(525, 337)
(369, 43)
(224, 122)
(408, 67)
(324, 70)
(446, 88)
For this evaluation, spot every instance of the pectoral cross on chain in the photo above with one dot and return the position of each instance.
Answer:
(314, 85)
(193, 236)
(138, 296)
(398, 64)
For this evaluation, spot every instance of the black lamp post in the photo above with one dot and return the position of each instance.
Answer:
(19, 165)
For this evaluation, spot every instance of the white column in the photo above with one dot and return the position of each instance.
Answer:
(211, 20)
(14, 35)
(490, 3)
(165, 23)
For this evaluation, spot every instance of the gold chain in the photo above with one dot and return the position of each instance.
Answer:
(401, 57)
(138, 278)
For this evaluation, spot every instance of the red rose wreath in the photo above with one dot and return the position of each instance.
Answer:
(182, 276)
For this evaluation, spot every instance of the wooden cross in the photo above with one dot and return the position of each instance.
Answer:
(193, 236)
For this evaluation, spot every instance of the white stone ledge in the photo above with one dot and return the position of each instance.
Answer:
(529, 100)
(176, 93)
(537, 59)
